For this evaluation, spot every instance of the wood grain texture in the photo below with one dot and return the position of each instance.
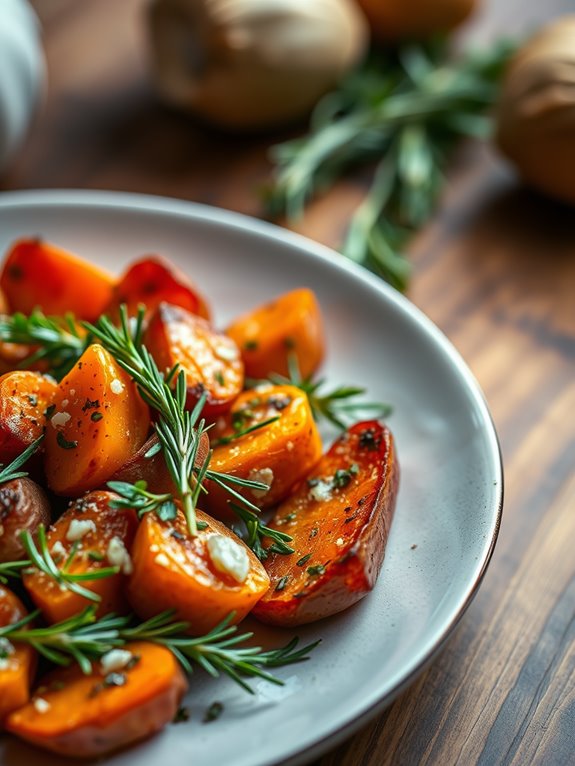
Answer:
(495, 269)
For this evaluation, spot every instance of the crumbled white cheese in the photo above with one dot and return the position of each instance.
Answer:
(266, 476)
(6, 649)
(58, 549)
(41, 705)
(116, 386)
(339, 541)
(229, 557)
(321, 491)
(228, 353)
(162, 560)
(79, 528)
(60, 419)
(118, 556)
(115, 659)
(64, 402)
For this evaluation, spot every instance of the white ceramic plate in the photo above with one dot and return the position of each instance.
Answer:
(451, 485)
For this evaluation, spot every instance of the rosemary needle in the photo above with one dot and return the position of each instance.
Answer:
(402, 111)
(84, 639)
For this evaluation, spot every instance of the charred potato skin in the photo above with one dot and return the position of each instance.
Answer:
(353, 574)
(23, 507)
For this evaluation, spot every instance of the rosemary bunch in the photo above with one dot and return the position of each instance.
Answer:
(179, 430)
(56, 340)
(83, 639)
(403, 111)
(340, 405)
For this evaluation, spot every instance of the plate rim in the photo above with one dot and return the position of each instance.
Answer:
(134, 201)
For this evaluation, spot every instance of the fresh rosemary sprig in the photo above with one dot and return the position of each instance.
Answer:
(12, 470)
(403, 110)
(57, 338)
(257, 530)
(138, 497)
(84, 639)
(12, 569)
(179, 430)
(340, 406)
(241, 431)
(41, 558)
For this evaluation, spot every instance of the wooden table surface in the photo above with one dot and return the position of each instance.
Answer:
(495, 269)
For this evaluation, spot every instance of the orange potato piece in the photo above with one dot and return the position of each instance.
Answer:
(211, 361)
(103, 537)
(175, 571)
(89, 715)
(339, 520)
(291, 324)
(24, 398)
(99, 422)
(39, 274)
(23, 507)
(279, 454)
(17, 661)
(153, 470)
(153, 280)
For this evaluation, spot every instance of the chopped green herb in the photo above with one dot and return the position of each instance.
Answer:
(282, 582)
(64, 443)
(91, 404)
(115, 679)
(251, 345)
(95, 556)
(50, 410)
(304, 559)
(313, 533)
(316, 570)
(214, 711)
(95, 416)
(33, 399)
(219, 378)
(182, 715)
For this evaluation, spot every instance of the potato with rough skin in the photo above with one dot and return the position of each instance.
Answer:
(339, 520)
(37, 274)
(289, 325)
(23, 507)
(278, 454)
(98, 421)
(99, 537)
(151, 281)
(24, 398)
(211, 361)
(86, 716)
(203, 578)
(17, 661)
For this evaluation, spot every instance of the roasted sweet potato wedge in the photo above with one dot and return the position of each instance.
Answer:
(17, 661)
(88, 537)
(202, 578)
(278, 454)
(211, 361)
(86, 716)
(291, 324)
(339, 520)
(23, 507)
(24, 398)
(37, 274)
(151, 281)
(98, 422)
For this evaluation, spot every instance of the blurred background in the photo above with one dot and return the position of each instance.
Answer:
(462, 170)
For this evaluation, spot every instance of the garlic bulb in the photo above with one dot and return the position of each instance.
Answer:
(249, 64)
(397, 20)
(536, 113)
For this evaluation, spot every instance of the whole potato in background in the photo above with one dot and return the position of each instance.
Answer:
(396, 20)
(536, 111)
